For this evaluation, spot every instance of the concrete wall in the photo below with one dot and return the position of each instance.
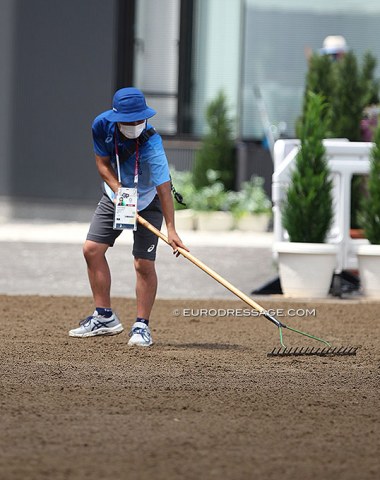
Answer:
(58, 72)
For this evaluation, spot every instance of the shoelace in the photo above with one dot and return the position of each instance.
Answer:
(85, 321)
(144, 332)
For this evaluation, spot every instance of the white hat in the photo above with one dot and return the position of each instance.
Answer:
(334, 44)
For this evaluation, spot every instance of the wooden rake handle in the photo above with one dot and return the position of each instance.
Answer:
(204, 267)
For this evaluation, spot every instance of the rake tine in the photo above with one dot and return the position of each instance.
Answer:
(312, 351)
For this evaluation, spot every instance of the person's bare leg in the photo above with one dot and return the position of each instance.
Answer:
(99, 273)
(146, 286)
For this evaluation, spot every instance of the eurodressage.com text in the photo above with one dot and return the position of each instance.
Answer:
(243, 312)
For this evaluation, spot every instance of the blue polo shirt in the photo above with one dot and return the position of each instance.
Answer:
(153, 164)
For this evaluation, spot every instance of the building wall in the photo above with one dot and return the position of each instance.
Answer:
(62, 68)
(6, 70)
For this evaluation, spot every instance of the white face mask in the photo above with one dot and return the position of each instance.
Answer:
(132, 131)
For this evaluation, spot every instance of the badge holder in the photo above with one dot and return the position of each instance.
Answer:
(125, 216)
(125, 209)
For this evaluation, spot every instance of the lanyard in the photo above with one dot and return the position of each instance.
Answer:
(136, 173)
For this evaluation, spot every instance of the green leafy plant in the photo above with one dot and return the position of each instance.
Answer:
(217, 150)
(212, 197)
(370, 218)
(183, 183)
(251, 199)
(307, 212)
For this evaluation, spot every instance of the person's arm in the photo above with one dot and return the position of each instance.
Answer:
(107, 172)
(166, 199)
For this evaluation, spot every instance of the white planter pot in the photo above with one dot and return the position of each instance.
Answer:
(306, 269)
(214, 221)
(369, 269)
(184, 219)
(253, 223)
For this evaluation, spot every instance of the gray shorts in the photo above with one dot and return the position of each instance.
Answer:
(144, 242)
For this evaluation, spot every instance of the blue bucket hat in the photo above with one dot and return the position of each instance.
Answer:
(129, 105)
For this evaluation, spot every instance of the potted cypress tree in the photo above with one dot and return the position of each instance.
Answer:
(306, 263)
(214, 168)
(369, 255)
(217, 149)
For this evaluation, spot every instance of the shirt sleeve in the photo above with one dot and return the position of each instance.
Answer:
(159, 170)
(100, 138)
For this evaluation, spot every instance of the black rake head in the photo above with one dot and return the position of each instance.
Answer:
(310, 351)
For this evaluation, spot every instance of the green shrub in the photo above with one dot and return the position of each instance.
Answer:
(348, 100)
(319, 79)
(370, 218)
(307, 212)
(370, 85)
(347, 88)
(213, 197)
(251, 199)
(217, 150)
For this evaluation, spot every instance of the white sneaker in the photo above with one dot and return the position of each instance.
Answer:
(97, 324)
(140, 335)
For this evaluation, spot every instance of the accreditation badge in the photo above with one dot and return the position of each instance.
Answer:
(125, 209)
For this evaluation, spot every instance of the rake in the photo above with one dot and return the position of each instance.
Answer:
(282, 351)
